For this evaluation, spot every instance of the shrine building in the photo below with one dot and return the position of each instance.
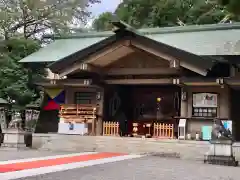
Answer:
(129, 82)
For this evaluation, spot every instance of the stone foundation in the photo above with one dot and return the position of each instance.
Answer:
(221, 153)
(221, 160)
(13, 138)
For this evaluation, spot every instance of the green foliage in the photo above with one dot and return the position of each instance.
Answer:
(34, 17)
(14, 77)
(162, 13)
(21, 21)
(102, 23)
(232, 6)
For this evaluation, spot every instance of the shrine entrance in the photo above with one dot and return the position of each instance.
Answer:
(143, 105)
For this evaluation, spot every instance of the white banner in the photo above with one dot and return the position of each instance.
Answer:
(205, 100)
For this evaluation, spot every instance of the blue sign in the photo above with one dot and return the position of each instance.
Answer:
(227, 125)
(71, 126)
(206, 132)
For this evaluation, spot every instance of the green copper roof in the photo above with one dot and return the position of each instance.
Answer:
(219, 42)
(60, 49)
(217, 39)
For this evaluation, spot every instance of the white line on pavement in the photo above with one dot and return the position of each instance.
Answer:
(51, 169)
(44, 158)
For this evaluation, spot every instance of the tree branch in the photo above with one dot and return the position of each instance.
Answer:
(180, 23)
(226, 18)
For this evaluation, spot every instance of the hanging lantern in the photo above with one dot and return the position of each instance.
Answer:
(159, 99)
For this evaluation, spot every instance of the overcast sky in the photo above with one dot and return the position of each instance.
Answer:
(105, 5)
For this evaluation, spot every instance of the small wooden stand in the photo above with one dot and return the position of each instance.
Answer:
(79, 114)
(148, 125)
(135, 129)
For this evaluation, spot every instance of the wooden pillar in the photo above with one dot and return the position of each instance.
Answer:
(233, 71)
(224, 103)
(100, 105)
(93, 133)
(184, 103)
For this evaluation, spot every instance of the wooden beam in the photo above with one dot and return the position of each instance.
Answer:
(195, 81)
(142, 71)
(65, 82)
(106, 51)
(193, 68)
(144, 52)
(168, 57)
(173, 63)
(201, 84)
(234, 81)
(81, 67)
(139, 81)
(88, 62)
(152, 51)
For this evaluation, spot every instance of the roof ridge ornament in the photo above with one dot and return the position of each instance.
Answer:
(121, 25)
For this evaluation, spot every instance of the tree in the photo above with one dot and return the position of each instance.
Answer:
(14, 81)
(135, 12)
(232, 5)
(32, 17)
(20, 22)
(185, 12)
(162, 13)
(102, 22)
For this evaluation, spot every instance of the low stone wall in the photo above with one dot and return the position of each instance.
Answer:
(74, 143)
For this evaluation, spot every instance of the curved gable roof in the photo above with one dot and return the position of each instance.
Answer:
(217, 39)
(187, 59)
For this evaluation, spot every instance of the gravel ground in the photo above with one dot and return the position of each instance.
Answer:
(23, 154)
(147, 168)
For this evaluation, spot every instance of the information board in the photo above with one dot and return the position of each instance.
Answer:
(205, 100)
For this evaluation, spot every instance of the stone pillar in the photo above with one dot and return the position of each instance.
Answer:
(184, 103)
(100, 113)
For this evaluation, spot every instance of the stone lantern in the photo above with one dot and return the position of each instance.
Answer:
(14, 132)
(4, 107)
(18, 128)
(31, 118)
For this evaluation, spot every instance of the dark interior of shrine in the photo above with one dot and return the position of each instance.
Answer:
(143, 104)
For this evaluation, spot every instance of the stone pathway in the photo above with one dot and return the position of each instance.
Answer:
(23, 154)
(147, 168)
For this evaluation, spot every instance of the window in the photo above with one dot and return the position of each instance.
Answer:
(205, 105)
(84, 97)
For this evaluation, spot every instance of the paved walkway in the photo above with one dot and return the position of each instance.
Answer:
(22, 154)
(146, 168)
(23, 168)
(106, 166)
